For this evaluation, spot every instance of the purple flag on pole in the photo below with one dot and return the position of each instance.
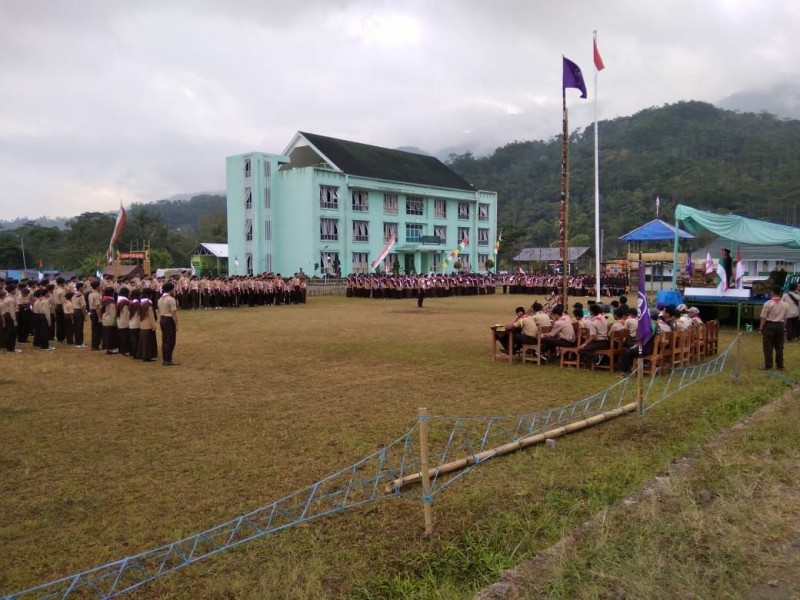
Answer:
(573, 77)
(689, 264)
(645, 327)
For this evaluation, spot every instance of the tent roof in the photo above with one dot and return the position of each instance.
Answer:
(655, 230)
(738, 229)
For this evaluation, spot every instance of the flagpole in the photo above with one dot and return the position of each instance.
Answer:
(564, 212)
(598, 257)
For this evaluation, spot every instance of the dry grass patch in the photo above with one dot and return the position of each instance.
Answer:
(103, 457)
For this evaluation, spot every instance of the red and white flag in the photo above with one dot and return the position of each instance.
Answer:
(709, 264)
(386, 249)
(739, 269)
(118, 226)
(598, 62)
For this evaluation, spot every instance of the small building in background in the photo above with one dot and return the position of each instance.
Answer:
(210, 259)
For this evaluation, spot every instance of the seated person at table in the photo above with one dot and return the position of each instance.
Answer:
(542, 319)
(632, 353)
(525, 331)
(620, 316)
(632, 325)
(562, 333)
(501, 331)
(598, 334)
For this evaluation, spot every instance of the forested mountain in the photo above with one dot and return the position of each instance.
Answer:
(687, 153)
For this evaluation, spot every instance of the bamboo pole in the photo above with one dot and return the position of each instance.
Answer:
(506, 448)
(426, 478)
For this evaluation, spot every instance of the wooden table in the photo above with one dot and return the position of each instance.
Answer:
(509, 354)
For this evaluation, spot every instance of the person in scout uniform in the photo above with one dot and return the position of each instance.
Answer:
(95, 312)
(123, 321)
(8, 317)
(168, 309)
(773, 326)
(148, 346)
(108, 319)
(78, 314)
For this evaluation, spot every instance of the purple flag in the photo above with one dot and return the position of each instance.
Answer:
(645, 327)
(689, 264)
(573, 77)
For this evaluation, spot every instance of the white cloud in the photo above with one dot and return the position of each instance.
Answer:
(109, 99)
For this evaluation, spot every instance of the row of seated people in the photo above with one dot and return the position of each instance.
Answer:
(603, 338)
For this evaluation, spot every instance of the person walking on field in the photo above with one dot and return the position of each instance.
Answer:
(773, 325)
(168, 311)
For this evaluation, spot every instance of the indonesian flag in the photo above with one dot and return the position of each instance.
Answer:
(497, 243)
(709, 264)
(384, 252)
(739, 269)
(723, 278)
(598, 62)
(121, 218)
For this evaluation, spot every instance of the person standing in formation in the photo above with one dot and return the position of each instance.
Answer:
(148, 346)
(78, 314)
(773, 325)
(168, 311)
(95, 313)
(8, 318)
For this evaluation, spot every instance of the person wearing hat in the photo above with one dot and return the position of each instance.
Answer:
(168, 311)
(727, 265)
(773, 324)
(682, 319)
(694, 315)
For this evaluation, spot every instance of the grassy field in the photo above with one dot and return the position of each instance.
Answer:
(102, 456)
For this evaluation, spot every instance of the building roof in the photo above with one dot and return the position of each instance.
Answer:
(209, 249)
(549, 254)
(374, 162)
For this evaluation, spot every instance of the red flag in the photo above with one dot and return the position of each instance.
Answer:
(121, 218)
(598, 62)
(41, 263)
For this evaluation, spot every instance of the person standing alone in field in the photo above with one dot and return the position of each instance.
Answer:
(773, 325)
(168, 311)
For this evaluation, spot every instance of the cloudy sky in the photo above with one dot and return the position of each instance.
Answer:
(103, 100)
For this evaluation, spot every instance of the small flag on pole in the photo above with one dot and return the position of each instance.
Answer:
(689, 264)
(122, 216)
(644, 327)
(598, 62)
(497, 243)
(573, 77)
(709, 264)
(386, 249)
(658, 204)
(739, 269)
(236, 260)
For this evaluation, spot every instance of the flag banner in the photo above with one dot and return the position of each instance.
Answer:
(598, 62)
(41, 263)
(497, 243)
(122, 216)
(689, 264)
(723, 279)
(236, 260)
(455, 252)
(384, 252)
(739, 269)
(709, 264)
(645, 327)
(573, 77)
(658, 203)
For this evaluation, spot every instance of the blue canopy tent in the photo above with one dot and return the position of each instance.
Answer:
(655, 230)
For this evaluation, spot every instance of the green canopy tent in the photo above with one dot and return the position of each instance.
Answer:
(733, 227)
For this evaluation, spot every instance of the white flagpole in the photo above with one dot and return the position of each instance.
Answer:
(598, 257)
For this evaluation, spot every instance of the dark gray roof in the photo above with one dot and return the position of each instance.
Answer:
(549, 254)
(375, 162)
(749, 251)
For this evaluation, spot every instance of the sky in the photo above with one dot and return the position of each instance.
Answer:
(105, 101)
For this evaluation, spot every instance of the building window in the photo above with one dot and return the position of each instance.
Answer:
(360, 262)
(463, 210)
(247, 171)
(267, 169)
(329, 229)
(464, 258)
(483, 236)
(248, 229)
(440, 231)
(389, 231)
(440, 209)
(414, 205)
(463, 234)
(413, 232)
(482, 258)
(360, 231)
(268, 262)
(329, 197)
(268, 230)
(267, 198)
(390, 204)
(248, 263)
(360, 201)
(329, 260)
(248, 198)
(483, 212)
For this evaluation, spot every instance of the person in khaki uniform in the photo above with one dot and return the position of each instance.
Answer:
(95, 312)
(41, 319)
(8, 317)
(68, 312)
(148, 346)
(168, 320)
(108, 319)
(123, 321)
(78, 315)
(773, 325)
(134, 321)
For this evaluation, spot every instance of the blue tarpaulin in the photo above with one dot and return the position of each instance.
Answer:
(655, 230)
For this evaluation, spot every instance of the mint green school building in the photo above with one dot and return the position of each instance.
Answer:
(330, 206)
